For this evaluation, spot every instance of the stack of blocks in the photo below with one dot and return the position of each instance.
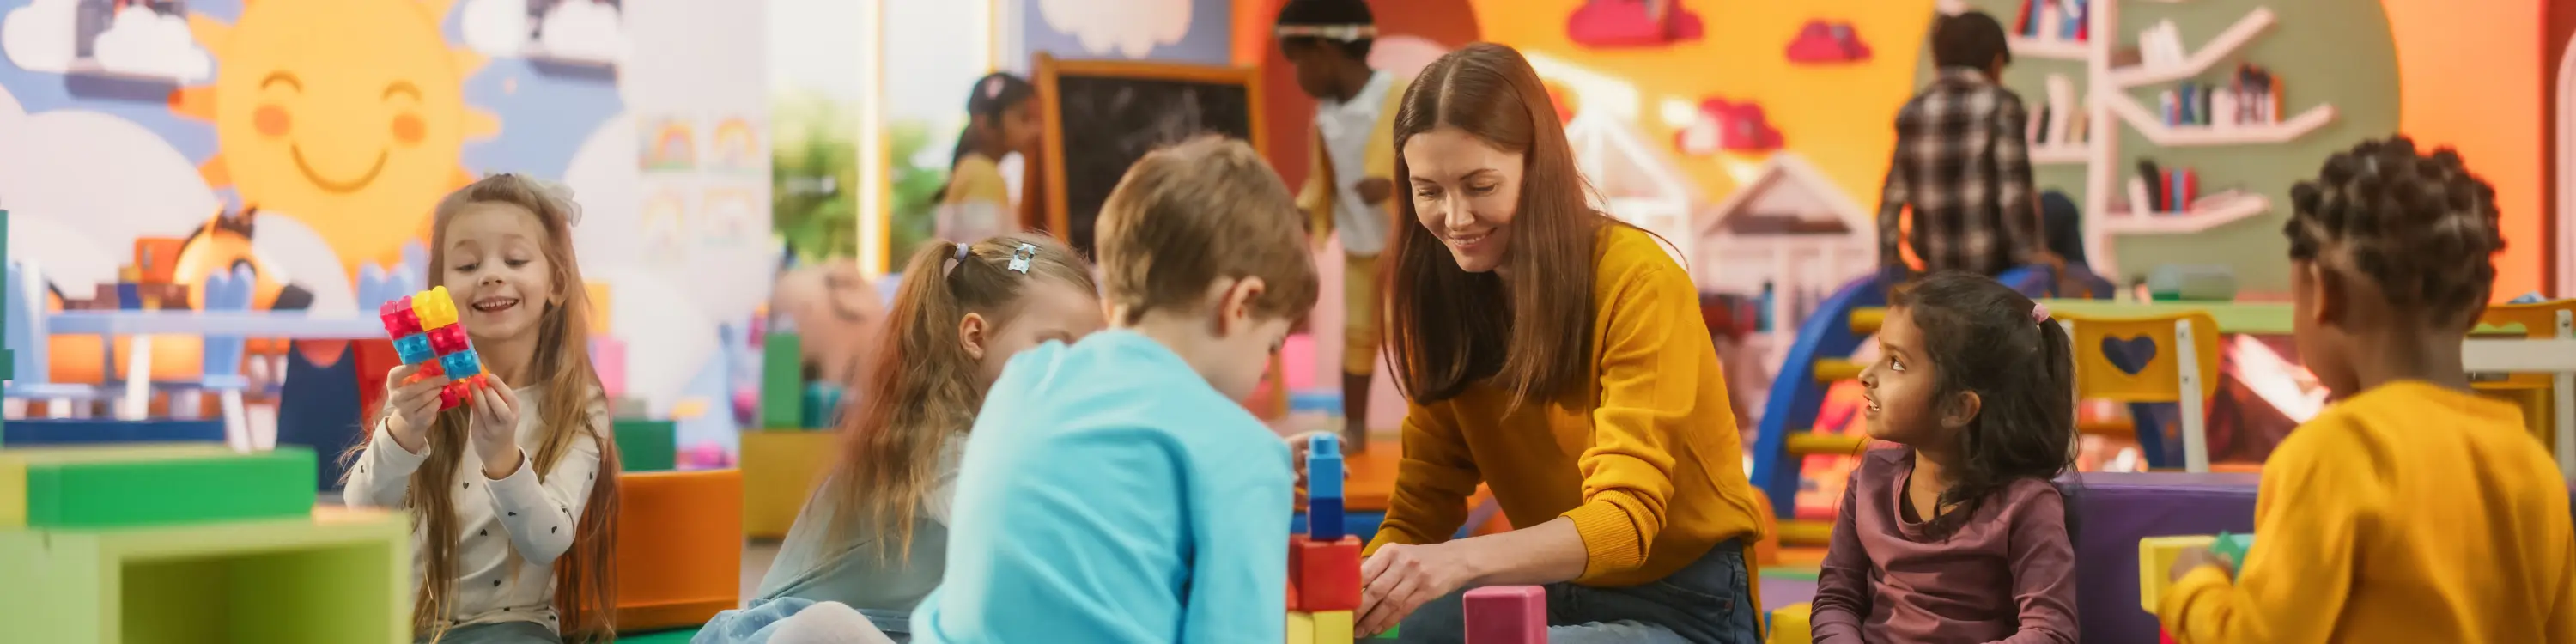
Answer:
(1323, 564)
(153, 544)
(426, 334)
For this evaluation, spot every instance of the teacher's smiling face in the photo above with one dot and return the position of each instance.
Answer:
(1465, 191)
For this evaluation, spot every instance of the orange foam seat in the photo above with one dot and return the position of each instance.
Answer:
(679, 547)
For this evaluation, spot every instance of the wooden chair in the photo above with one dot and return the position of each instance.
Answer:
(2542, 395)
(2151, 359)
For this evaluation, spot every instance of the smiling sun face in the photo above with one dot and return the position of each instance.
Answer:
(347, 115)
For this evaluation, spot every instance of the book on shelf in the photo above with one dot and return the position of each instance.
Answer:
(2053, 20)
(2061, 103)
(2149, 189)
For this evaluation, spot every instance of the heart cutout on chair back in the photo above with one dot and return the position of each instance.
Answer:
(2130, 355)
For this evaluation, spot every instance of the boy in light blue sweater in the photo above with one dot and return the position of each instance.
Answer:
(1116, 490)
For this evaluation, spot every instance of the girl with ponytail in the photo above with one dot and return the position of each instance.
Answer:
(873, 539)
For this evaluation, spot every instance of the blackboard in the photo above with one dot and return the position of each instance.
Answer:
(1101, 116)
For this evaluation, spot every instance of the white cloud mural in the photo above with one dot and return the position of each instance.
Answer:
(1132, 28)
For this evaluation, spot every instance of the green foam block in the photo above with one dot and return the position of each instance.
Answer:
(782, 381)
(647, 445)
(181, 489)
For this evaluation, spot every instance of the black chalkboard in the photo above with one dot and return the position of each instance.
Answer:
(1101, 116)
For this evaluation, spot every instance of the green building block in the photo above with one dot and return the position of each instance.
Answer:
(782, 381)
(2233, 547)
(306, 580)
(647, 445)
(104, 488)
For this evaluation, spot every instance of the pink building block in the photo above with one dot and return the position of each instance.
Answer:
(1507, 615)
(608, 357)
(1297, 358)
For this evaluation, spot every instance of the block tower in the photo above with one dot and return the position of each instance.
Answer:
(1323, 564)
(426, 333)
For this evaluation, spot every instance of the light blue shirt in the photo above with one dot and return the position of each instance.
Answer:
(1109, 494)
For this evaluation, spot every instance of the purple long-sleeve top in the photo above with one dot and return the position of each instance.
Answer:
(2006, 575)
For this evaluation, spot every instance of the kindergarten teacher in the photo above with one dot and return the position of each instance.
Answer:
(1557, 355)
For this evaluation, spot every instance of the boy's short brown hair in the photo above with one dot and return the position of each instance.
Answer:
(1203, 210)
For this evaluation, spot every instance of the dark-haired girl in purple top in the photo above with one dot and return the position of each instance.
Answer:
(1958, 537)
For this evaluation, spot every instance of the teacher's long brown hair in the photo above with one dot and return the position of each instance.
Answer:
(1448, 328)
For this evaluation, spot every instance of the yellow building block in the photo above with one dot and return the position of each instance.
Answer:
(779, 470)
(2156, 557)
(345, 578)
(1790, 625)
(1333, 627)
(1301, 627)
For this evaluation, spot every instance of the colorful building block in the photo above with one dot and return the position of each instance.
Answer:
(426, 334)
(780, 468)
(1324, 519)
(1790, 624)
(147, 485)
(679, 547)
(1324, 471)
(1301, 627)
(782, 380)
(1327, 573)
(344, 576)
(2156, 557)
(647, 445)
(1333, 627)
(1506, 615)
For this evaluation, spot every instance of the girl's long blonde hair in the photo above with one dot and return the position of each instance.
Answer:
(923, 389)
(572, 407)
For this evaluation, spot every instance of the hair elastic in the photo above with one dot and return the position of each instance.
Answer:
(2038, 313)
(1020, 257)
(1344, 33)
(958, 259)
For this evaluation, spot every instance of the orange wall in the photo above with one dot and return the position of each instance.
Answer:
(2468, 78)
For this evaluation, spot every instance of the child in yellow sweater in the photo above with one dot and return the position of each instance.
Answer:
(2413, 510)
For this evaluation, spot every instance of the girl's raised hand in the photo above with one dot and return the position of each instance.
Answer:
(409, 408)
(496, 427)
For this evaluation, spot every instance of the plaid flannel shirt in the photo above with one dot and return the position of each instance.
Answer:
(1963, 166)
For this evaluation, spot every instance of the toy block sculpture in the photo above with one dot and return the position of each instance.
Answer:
(1323, 564)
(426, 333)
(1507, 615)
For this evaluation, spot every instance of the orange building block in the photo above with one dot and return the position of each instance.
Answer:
(679, 547)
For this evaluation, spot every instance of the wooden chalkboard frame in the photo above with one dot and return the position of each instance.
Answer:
(1051, 108)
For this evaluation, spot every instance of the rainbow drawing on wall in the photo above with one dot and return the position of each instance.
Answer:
(666, 225)
(737, 147)
(733, 214)
(670, 144)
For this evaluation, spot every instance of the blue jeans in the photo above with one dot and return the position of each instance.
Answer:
(1709, 601)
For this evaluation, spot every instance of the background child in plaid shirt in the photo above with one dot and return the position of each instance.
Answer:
(1961, 163)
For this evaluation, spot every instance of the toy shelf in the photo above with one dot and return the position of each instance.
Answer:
(2218, 49)
(2049, 48)
(2060, 153)
(331, 578)
(2198, 219)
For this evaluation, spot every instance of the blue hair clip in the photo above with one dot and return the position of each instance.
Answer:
(1020, 257)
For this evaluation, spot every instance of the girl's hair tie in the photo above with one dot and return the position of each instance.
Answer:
(2038, 313)
(958, 259)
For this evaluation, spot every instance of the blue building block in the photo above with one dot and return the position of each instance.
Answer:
(1324, 467)
(414, 348)
(461, 364)
(1324, 519)
(84, 431)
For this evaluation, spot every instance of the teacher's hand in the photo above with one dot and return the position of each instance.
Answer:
(1401, 578)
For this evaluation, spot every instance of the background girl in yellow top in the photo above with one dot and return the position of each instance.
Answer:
(2413, 510)
(1558, 356)
(512, 496)
(1352, 179)
(1001, 119)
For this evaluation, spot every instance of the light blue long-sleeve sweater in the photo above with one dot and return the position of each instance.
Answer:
(1109, 494)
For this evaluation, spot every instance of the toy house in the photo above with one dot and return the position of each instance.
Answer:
(1789, 231)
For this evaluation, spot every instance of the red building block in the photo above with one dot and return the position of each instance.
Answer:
(447, 339)
(1292, 596)
(1327, 574)
(1507, 615)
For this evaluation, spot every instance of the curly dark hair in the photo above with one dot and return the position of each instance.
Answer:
(1983, 337)
(2421, 226)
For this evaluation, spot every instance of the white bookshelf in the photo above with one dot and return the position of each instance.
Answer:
(2048, 47)
(2202, 216)
(2107, 89)
(2060, 153)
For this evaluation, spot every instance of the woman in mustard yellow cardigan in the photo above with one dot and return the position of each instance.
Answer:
(1558, 356)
